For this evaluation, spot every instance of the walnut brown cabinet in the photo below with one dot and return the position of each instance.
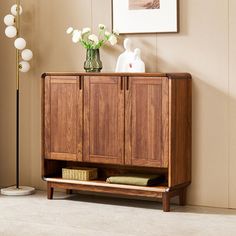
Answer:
(119, 123)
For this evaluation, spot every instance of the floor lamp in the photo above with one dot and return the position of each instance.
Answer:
(12, 22)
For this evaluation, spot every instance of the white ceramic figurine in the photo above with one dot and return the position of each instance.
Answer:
(125, 60)
(137, 64)
(130, 61)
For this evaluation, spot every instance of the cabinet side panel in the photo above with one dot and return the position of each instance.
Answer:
(180, 131)
(46, 117)
(165, 122)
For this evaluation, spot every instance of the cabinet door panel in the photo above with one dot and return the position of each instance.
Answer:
(147, 122)
(64, 118)
(103, 120)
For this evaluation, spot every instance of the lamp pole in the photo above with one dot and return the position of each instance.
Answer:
(17, 97)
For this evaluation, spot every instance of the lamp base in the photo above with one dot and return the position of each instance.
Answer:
(14, 191)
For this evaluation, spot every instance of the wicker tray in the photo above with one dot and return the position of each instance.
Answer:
(79, 173)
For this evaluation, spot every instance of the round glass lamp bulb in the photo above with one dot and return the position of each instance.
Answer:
(11, 31)
(9, 20)
(20, 43)
(27, 55)
(14, 10)
(24, 66)
(69, 30)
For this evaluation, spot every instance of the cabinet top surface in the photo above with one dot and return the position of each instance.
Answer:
(169, 75)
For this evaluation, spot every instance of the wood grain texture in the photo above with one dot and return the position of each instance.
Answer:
(47, 118)
(80, 117)
(120, 74)
(43, 128)
(183, 197)
(104, 120)
(49, 191)
(63, 116)
(99, 186)
(103, 187)
(63, 156)
(147, 122)
(63, 80)
(52, 168)
(102, 183)
(180, 130)
(63, 113)
(166, 201)
(118, 123)
(167, 195)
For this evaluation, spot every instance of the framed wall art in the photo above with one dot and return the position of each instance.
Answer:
(145, 16)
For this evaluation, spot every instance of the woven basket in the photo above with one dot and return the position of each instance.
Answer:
(79, 173)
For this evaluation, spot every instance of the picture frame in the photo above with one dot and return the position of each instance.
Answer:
(145, 16)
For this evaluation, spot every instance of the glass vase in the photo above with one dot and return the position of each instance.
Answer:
(93, 62)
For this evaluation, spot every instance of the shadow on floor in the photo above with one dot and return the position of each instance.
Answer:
(111, 200)
(141, 203)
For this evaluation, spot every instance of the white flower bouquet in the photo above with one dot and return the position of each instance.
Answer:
(91, 41)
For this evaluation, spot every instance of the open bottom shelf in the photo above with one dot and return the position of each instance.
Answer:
(100, 186)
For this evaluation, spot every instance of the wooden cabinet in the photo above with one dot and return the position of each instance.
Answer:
(119, 123)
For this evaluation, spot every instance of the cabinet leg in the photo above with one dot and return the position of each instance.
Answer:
(69, 191)
(49, 190)
(182, 197)
(166, 202)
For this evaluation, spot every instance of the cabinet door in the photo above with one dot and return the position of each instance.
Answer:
(146, 118)
(63, 118)
(104, 119)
